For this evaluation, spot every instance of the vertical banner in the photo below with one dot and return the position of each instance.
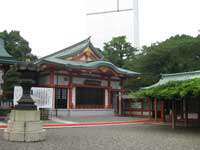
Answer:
(43, 97)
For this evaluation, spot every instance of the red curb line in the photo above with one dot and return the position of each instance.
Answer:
(92, 123)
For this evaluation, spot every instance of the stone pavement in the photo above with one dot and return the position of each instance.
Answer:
(126, 137)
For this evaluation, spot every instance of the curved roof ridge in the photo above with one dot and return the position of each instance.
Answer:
(91, 65)
(181, 73)
(60, 51)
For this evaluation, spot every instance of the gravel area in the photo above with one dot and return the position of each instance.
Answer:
(126, 137)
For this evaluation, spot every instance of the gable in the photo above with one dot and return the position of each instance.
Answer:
(86, 55)
(82, 51)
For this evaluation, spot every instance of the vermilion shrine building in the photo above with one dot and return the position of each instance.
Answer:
(82, 79)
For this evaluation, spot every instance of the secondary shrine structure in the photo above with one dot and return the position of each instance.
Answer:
(5, 61)
(81, 79)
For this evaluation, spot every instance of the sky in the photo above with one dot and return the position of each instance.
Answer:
(51, 25)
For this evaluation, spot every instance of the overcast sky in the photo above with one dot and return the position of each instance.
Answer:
(51, 25)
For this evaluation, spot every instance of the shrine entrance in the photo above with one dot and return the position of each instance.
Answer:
(90, 97)
(61, 98)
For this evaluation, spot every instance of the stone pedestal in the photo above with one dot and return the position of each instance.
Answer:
(24, 126)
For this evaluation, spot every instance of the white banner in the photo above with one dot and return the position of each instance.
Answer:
(43, 97)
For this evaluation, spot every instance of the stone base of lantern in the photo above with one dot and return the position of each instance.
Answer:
(24, 126)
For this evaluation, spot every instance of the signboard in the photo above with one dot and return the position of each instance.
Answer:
(43, 97)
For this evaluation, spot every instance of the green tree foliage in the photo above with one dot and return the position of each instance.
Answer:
(11, 79)
(119, 51)
(179, 53)
(176, 54)
(17, 46)
(189, 89)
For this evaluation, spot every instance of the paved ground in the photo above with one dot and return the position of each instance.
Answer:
(126, 137)
(97, 119)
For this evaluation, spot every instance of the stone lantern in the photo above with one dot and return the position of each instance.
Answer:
(24, 121)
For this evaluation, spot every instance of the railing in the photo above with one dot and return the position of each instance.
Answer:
(6, 103)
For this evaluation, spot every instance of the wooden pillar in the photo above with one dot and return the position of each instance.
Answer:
(155, 108)
(106, 98)
(162, 111)
(198, 110)
(52, 77)
(185, 107)
(149, 106)
(120, 103)
(73, 97)
(69, 104)
(142, 103)
(173, 114)
(109, 93)
(181, 109)
(120, 97)
(51, 83)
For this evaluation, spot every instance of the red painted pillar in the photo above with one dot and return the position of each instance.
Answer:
(70, 105)
(155, 108)
(52, 76)
(162, 110)
(109, 94)
(198, 110)
(120, 97)
(142, 103)
(149, 106)
(173, 114)
(185, 105)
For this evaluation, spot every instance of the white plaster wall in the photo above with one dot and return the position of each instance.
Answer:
(74, 96)
(115, 84)
(106, 97)
(104, 83)
(61, 80)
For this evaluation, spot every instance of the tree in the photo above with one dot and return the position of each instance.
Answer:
(16, 45)
(19, 48)
(10, 78)
(119, 51)
(180, 53)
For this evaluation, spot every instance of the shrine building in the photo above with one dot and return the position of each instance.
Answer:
(82, 79)
(6, 60)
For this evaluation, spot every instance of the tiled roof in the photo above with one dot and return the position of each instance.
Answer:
(5, 57)
(75, 49)
(3, 52)
(57, 58)
(165, 78)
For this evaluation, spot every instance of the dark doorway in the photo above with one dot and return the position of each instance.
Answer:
(61, 98)
(90, 96)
